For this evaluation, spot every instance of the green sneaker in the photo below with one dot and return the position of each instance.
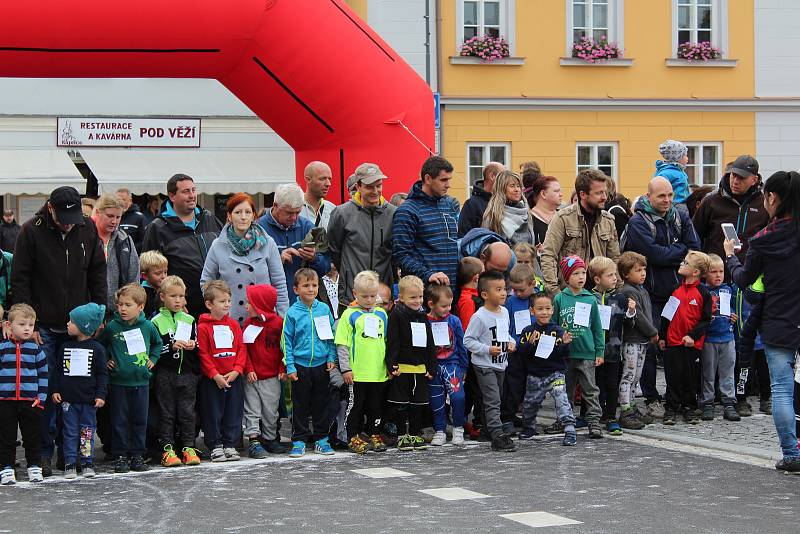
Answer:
(419, 443)
(405, 443)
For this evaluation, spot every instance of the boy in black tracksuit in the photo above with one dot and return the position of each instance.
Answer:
(411, 362)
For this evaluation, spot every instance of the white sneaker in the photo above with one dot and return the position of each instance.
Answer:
(439, 439)
(231, 454)
(7, 476)
(35, 474)
(218, 455)
(458, 435)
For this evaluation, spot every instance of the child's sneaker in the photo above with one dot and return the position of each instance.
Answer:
(255, 450)
(690, 417)
(169, 458)
(628, 420)
(555, 428)
(218, 455)
(708, 412)
(88, 471)
(528, 433)
(7, 476)
(357, 445)
(376, 443)
(439, 439)
(70, 472)
(643, 416)
(503, 443)
(419, 443)
(190, 456)
(613, 428)
(595, 431)
(123, 465)
(323, 447)
(405, 443)
(231, 454)
(669, 417)
(473, 431)
(570, 439)
(580, 422)
(730, 414)
(298, 449)
(138, 465)
(274, 446)
(458, 436)
(35, 474)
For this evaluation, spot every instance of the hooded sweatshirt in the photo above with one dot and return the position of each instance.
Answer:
(301, 341)
(529, 342)
(80, 389)
(179, 361)
(588, 342)
(676, 174)
(215, 357)
(131, 369)
(400, 350)
(264, 356)
(642, 329)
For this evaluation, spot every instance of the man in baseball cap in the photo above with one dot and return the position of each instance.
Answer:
(745, 167)
(65, 206)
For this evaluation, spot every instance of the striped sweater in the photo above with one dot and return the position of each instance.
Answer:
(23, 371)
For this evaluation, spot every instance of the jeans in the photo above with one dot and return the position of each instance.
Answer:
(51, 421)
(536, 389)
(781, 372)
(79, 426)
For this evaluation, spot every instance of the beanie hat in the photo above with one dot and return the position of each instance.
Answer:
(88, 317)
(672, 151)
(570, 264)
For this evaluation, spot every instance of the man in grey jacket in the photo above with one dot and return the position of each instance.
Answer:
(360, 233)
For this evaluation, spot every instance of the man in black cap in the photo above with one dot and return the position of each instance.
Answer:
(58, 265)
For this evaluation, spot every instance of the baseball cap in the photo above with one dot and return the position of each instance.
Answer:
(745, 166)
(351, 183)
(369, 173)
(67, 203)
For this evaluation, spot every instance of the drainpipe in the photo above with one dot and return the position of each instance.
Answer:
(438, 51)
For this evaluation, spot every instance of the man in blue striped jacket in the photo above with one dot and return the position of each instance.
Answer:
(425, 227)
(23, 390)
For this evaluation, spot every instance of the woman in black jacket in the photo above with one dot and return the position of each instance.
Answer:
(775, 252)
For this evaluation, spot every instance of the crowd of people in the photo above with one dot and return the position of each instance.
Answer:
(368, 322)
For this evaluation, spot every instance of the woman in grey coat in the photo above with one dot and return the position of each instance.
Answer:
(243, 255)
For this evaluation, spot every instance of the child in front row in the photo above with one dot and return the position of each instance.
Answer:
(223, 357)
(488, 338)
(682, 337)
(309, 353)
(617, 312)
(22, 394)
(133, 346)
(451, 362)
(177, 375)
(411, 363)
(635, 339)
(361, 348)
(544, 369)
(80, 384)
(153, 265)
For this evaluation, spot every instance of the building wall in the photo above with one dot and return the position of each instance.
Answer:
(778, 141)
(777, 42)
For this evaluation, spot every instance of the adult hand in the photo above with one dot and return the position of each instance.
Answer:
(289, 254)
(307, 253)
(57, 398)
(99, 403)
(729, 246)
(439, 278)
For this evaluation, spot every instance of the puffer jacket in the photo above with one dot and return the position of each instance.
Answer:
(567, 235)
(677, 176)
(472, 212)
(360, 239)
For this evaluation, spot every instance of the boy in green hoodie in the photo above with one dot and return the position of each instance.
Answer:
(133, 346)
(575, 310)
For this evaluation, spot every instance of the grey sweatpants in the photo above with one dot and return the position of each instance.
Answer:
(535, 392)
(582, 372)
(490, 382)
(717, 361)
(633, 355)
(261, 400)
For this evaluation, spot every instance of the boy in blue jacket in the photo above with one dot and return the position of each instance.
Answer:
(309, 353)
(451, 363)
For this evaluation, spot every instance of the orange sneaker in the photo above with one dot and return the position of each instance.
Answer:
(190, 456)
(169, 458)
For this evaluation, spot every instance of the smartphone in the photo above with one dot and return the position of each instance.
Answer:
(730, 234)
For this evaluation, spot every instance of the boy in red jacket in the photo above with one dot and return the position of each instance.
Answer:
(684, 322)
(223, 357)
(265, 371)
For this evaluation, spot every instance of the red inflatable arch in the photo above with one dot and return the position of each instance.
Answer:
(311, 69)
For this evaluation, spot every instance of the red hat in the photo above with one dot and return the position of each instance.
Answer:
(570, 264)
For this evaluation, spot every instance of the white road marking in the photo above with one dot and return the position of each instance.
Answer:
(540, 519)
(453, 494)
(382, 472)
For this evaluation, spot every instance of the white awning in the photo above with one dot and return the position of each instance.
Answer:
(37, 172)
(214, 171)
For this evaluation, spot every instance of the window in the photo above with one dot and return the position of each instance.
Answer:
(594, 19)
(705, 163)
(479, 155)
(602, 156)
(485, 17)
(697, 21)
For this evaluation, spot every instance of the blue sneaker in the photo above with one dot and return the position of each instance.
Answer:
(580, 422)
(256, 450)
(570, 439)
(298, 449)
(323, 447)
(613, 428)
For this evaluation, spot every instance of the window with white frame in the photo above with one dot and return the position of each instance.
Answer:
(705, 163)
(485, 17)
(697, 21)
(595, 19)
(480, 154)
(602, 156)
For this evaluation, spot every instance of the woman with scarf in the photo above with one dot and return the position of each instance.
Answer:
(244, 255)
(507, 212)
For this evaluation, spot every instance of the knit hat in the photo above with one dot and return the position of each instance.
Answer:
(88, 317)
(672, 151)
(570, 264)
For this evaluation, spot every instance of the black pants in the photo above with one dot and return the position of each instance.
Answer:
(649, 371)
(408, 400)
(513, 389)
(680, 370)
(129, 406)
(310, 396)
(757, 378)
(176, 394)
(607, 378)
(473, 398)
(364, 410)
(14, 414)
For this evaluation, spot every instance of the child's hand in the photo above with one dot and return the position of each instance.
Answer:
(111, 365)
(150, 365)
(330, 366)
(232, 376)
(512, 346)
(429, 376)
(99, 403)
(348, 377)
(252, 377)
(567, 338)
(191, 344)
(598, 362)
(654, 339)
(662, 344)
(57, 397)
(221, 382)
(631, 305)
(282, 377)
(494, 351)
(688, 341)
(734, 318)
(37, 404)
(396, 370)
(292, 377)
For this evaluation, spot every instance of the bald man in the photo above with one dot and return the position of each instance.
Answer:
(316, 209)
(496, 257)
(472, 212)
(662, 234)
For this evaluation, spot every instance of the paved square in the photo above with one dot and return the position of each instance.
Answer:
(540, 519)
(382, 472)
(454, 494)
